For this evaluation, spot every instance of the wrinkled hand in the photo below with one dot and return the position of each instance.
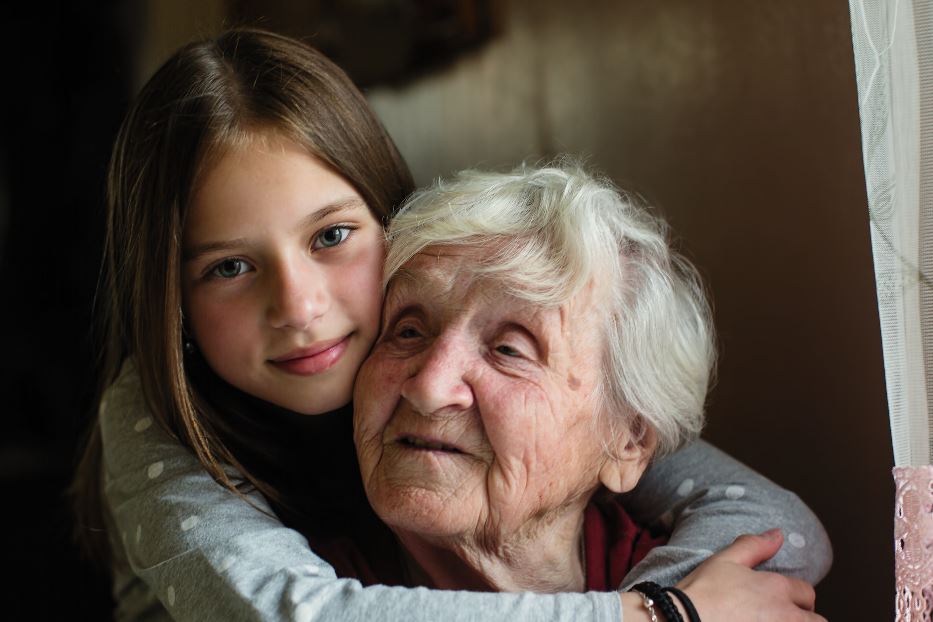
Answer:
(725, 588)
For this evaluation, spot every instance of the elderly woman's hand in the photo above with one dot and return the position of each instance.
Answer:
(726, 588)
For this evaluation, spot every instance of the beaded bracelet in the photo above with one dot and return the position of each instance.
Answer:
(660, 598)
(649, 605)
(686, 602)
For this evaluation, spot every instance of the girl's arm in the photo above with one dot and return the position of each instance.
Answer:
(709, 498)
(188, 549)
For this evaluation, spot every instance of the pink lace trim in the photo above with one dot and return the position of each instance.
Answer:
(913, 543)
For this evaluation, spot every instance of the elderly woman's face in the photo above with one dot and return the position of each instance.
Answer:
(474, 414)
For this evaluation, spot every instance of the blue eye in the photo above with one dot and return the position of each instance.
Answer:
(230, 268)
(333, 236)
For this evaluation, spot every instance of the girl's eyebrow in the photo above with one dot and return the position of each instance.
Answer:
(339, 205)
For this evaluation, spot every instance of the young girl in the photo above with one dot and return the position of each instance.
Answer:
(247, 193)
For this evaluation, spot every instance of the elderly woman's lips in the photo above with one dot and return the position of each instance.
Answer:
(420, 443)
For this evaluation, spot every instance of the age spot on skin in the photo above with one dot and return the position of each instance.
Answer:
(573, 382)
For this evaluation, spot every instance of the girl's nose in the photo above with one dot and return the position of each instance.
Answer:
(298, 295)
(438, 384)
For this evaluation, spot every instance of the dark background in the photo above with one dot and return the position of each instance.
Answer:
(66, 79)
(739, 118)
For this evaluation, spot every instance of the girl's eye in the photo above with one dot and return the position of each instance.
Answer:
(331, 237)
(508, 350)
(230, 268)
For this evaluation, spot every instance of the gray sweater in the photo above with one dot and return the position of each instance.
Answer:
(185, 548)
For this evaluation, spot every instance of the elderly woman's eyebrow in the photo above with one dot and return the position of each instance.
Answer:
(416, 282)
(399, 297)
(400, 282)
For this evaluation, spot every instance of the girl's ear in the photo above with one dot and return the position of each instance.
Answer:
(627, 461)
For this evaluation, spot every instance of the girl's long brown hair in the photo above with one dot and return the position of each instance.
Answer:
(209, 97)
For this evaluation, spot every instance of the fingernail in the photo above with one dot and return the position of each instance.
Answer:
(771, 534)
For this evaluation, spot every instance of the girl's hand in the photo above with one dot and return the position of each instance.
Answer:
(725, 588)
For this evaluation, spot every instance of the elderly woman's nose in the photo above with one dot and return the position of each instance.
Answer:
(437, 384)
(297, 294)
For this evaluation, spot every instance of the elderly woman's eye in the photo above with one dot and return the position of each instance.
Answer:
(507, 350)
(407, 332)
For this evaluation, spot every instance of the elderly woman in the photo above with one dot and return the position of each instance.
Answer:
(540, 345)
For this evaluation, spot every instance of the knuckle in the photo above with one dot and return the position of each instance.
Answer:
(775, 582)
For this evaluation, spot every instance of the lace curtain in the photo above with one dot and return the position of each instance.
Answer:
(893, 44)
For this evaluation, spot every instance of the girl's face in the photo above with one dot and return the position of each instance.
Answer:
(282, 276)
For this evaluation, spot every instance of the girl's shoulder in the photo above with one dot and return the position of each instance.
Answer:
(125, 389)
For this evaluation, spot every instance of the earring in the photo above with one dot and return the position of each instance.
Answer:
(188, 346)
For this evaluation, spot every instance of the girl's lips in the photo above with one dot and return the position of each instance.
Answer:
(310, 361)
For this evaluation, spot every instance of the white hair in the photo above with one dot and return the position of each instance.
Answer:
(551, 231)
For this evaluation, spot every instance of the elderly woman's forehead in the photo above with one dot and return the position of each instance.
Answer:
(444, 257)
(434, 271)
(439, 263)
(446, 273)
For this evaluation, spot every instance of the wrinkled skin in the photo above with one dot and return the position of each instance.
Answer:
(476, 426)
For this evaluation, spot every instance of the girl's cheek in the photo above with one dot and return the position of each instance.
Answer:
(217, 324)
(362, 288)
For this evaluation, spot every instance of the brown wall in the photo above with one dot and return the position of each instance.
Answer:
(739, 119)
